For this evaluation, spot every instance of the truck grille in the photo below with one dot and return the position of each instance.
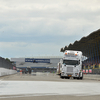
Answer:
(69, 69)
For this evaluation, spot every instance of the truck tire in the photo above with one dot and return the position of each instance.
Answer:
(74, 77)
(67, 77)
(61, 76)
(78, 78)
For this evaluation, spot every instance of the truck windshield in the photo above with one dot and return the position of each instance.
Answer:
(71, 62)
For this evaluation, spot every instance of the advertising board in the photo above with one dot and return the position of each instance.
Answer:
(37, 60)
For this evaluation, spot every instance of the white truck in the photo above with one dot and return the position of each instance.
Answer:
(71, 65)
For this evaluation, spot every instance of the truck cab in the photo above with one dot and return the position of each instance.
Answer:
(71, 65)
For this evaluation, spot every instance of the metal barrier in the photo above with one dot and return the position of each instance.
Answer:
(92, 76)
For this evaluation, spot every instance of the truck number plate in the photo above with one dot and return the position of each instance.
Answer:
(69, 75)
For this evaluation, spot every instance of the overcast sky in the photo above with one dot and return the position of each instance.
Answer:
(42, 27)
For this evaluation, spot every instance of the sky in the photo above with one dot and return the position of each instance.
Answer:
(31, 28)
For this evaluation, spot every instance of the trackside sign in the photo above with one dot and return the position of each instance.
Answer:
(37, 60)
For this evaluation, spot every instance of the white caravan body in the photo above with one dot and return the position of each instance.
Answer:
(71, 65)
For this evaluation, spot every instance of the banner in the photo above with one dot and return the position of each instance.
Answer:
(37, 60)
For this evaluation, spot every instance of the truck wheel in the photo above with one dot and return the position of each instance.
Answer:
(61, 77)
(78, 78)
(66, 77)
(74, 77)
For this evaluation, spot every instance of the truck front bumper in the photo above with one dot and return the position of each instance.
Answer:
(70, 74)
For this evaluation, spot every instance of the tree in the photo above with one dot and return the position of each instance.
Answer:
(8, 59)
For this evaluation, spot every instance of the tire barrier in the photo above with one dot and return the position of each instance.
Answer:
(91, 71)
(4, 71)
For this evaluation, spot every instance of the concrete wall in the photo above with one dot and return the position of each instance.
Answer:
(4, 71)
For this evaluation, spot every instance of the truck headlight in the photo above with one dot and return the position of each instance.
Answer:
(62, 73)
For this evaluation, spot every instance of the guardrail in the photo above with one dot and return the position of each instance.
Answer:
(91, 77)
(4, 71)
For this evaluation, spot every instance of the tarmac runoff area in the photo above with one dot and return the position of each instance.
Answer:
(47, 86)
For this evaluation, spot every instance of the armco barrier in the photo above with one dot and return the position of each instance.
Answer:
(4, 71)
(91, 76)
